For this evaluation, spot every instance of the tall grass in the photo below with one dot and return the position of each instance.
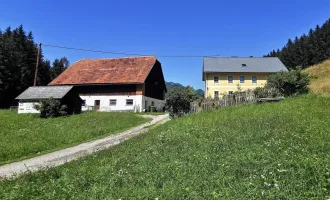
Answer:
(269, 151)
(27, 135)
(320, 83)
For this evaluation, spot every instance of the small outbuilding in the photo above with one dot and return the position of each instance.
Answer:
(33, 95)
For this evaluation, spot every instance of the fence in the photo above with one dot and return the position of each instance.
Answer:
(227, 100)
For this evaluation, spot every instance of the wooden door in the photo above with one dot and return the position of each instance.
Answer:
(97, 105)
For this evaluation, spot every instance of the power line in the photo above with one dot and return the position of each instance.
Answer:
(122, 53)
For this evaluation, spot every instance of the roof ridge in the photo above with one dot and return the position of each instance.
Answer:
(235, 57)
(118, 58)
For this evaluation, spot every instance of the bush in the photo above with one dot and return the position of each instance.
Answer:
(51, 108)
(267, 92)
(178, 101)
(289, 83)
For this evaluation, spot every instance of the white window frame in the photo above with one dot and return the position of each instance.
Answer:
(115, 100)
(83, 103)
(255, 81)
(232, 81)
(230, 92)
(216, 95)
(240, 81)
(216, 82)
(129, 104)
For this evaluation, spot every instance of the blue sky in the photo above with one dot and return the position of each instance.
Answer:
(181, 27)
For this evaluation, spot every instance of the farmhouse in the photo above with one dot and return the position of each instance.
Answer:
(33, 95)
(117, 84)
(225, 75)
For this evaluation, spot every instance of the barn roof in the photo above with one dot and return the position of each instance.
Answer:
(45, 92)
(242, 64)
(130, 70)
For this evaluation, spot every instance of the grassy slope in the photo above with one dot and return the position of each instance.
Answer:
(320, 83)
(27, 135)
(276, 150)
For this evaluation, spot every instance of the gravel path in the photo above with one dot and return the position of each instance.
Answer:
(72, 153)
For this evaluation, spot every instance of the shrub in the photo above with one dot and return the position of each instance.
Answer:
(178, 101)
(289, 83)
(267, 92)
(51, 108)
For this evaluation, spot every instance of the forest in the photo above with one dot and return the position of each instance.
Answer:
(18, 56)
(306, 50)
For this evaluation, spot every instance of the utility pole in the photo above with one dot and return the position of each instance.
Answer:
(36, 72)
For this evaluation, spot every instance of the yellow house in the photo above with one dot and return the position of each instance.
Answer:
(225, 75)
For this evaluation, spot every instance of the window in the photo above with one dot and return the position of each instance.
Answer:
(242, 79)
(113, 102)
(243, 65)
(152, 103)
(83, 103)
(216, 79)
(216, 94)
(254, 79)
(230, 79)
(230, 92)
(129, 102)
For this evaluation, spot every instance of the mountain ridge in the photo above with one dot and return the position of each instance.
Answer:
(172, 85)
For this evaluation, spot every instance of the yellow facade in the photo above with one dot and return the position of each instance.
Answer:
(224, 86)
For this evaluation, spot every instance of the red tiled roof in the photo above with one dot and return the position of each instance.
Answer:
(107, 71)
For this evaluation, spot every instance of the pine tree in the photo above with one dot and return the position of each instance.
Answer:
(59, 65)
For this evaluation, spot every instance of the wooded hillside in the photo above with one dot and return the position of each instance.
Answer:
(306, 50)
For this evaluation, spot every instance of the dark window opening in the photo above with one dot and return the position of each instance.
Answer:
(129, 102)
(113, 102)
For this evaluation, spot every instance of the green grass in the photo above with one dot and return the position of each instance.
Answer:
(27, 135)
(267, 151)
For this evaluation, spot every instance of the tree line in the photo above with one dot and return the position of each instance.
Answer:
(18, 57)
(306, 50)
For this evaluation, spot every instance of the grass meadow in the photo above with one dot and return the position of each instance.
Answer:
(320, 73)
(265, 151)
(27, 135)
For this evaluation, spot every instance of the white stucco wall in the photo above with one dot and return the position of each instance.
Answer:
(159, 104)
(138, 103)
(105, 103)
(27, 107)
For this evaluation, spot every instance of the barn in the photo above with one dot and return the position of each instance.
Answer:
(117, 84)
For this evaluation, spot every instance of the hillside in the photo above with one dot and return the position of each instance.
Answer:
(257, 151)
(172, 85)
(320, 82)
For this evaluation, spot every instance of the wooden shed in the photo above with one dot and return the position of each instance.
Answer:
(33, 95)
